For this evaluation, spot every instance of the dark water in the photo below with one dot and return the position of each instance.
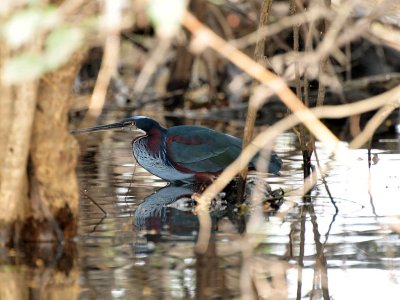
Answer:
(342, 245)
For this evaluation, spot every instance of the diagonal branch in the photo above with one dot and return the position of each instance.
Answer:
(390, 99)
(206, 37)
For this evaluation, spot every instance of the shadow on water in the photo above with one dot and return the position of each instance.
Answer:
(343, 244)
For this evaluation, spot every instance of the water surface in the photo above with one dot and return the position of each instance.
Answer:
(344, 244)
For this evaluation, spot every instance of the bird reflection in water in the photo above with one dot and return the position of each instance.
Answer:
(169, 212)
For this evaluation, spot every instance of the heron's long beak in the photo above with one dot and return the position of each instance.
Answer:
(104, 127)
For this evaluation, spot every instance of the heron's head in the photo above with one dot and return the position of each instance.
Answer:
(138, 122)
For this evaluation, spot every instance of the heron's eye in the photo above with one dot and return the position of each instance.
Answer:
(129, 123)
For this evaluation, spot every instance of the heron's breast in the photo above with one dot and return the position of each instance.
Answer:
(156, 162)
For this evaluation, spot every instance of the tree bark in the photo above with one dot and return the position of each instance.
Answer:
(16, 114)
(54, 188)
(39, 193)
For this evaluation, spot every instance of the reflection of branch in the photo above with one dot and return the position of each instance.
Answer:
(321, 264)
(323, 177)
(205, 226)
(300, 260)
(209, 275)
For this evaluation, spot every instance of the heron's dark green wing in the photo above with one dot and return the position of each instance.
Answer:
(200, 149)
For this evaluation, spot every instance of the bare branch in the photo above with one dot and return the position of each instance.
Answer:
(265, 137)
(312, 14)
(373, 124)
(205, 37)
(112, 20)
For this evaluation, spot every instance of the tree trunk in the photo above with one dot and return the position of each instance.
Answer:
(16, 117)
(54, 188)
(39, 193)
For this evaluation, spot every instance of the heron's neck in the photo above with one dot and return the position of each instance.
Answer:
(155, 139)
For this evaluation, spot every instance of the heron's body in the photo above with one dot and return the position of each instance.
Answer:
(185, 153)
(156, 162)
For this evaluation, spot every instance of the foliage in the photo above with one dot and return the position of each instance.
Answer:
(166, 15)
(41, 41)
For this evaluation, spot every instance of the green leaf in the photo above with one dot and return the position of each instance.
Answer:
(33, 2)
(23, 67)
(61, 43)
(24, 25)
(166, 15)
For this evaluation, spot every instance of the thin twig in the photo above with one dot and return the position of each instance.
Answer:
(259, 50)
(247, 136)
(112, 19)
(98, 224)
(129, 187)
(152, 63)
(333, 112)
(386, 34)
(373, 124)
(312, 14)
(330, 40)
(205, 37)
(265, 137)
(259, 56)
